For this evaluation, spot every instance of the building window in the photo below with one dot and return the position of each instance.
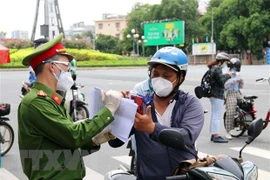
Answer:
(117, 35)
(52, 21)
(117, 25)
(100, 26)
(51, 7)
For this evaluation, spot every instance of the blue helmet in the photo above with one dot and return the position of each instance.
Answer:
(171, 57)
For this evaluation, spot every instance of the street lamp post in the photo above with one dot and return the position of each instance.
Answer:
(144, 41)
(133, 32)
(133, 40)
(136, 36)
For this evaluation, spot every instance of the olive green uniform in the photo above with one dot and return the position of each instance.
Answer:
(51, 145)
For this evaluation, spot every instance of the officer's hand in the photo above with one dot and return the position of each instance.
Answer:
(103, 136)
(111, 100)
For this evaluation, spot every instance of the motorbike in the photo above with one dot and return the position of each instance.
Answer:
(6, 131)
(25, 89)
(76, 105)
(220, 167)
(245, 113)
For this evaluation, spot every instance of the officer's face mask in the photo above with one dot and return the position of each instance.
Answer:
(162, 87)
(64, 80)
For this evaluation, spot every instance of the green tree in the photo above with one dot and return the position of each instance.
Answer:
(168, 10)
(76, 36)
(108, 44)
(240, 24)
(138, 15)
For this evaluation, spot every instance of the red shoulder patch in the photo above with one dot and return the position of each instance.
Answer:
(56, 98)
(41, 93)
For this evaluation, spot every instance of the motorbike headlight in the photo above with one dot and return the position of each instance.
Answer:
(253, 175)
(220, 176)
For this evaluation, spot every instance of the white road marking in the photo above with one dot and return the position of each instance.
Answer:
(255, 151)
(123, 159)
(6, 175)
(92, 175)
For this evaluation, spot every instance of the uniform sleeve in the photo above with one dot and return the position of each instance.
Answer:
(46, 119)
(190, 125)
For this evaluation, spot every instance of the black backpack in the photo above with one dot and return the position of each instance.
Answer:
(204, 90)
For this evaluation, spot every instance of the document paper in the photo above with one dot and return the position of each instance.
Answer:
(123, 117)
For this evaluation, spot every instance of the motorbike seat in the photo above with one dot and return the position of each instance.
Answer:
(74, 87)
(250, 97)
(4, 109)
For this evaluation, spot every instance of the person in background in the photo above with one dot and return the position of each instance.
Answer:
(73, 69)
(144, 89)
(232, 94)
(170, 107)
(51, 145)
(32, 74)
(217, 94)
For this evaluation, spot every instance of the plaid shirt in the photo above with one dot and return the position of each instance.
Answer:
(219, 80)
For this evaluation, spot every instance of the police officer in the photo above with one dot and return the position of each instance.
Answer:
(51, 145)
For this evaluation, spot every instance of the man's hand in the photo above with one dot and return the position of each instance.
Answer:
(111, 100)
(103, 136)
(144, 122)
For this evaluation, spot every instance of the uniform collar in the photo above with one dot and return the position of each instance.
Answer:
(49, 92)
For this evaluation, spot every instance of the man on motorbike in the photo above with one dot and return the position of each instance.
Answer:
(170, 108)
(51, 145)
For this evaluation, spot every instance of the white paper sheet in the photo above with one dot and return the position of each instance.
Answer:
(123, 118)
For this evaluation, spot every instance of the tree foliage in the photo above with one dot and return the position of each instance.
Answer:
(108, 44)
(239, 24)
(185, 10)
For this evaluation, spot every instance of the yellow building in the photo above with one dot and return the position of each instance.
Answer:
(113, 25)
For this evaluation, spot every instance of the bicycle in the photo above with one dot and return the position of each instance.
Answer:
(246, 113)
(6, 131)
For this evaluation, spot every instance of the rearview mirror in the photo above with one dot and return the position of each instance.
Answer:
(254, 130)
(199, 92)
(172, 138)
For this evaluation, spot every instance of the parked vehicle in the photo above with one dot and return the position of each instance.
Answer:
(76, 105)
(246, 113)
(25, 88)
(6, 131)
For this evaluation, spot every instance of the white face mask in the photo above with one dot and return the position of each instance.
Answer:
(64, 80)
(162, 87)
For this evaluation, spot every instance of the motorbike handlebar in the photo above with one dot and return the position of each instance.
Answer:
(177, 177)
